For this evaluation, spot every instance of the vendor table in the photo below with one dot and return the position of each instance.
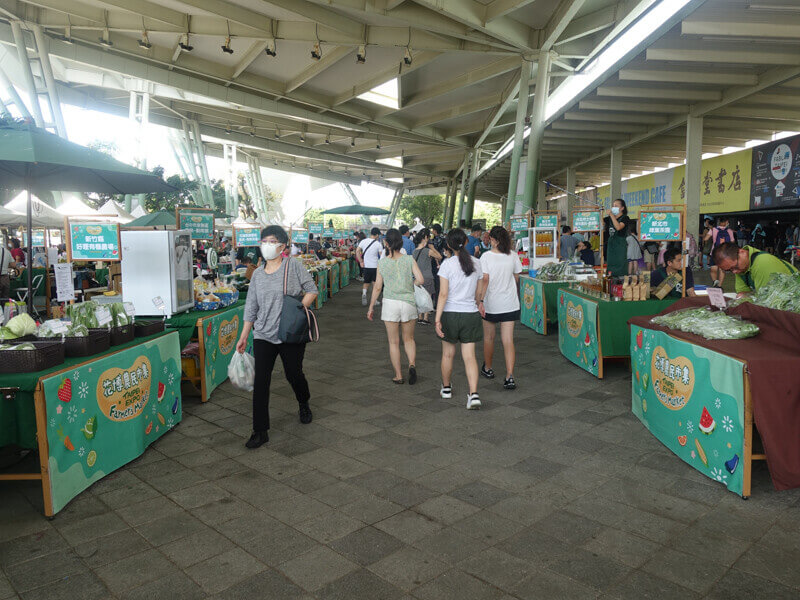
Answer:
(217, 334)
(89, 416)
(344, 273)
(321, 279)
(334, 278)
(539, 302)
(703, 399)
(591, 330)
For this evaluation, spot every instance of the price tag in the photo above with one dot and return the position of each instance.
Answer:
(158, 302)
(57, 326)
(716, 298)
(103, 315)
(130, 310)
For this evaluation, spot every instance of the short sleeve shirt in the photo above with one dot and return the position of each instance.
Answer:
(372, 255)
(501, 295)
(461, 288)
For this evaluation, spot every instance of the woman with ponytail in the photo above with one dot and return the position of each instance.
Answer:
(457, 316)
(500, 302)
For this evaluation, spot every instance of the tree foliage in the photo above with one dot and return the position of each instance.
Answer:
(428, 209)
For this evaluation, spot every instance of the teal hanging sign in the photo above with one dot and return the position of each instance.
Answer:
(546, 220)
(93, 241)
(246, 236)
(589, 220)
(660, 226)
(300, 236)
(199, 223)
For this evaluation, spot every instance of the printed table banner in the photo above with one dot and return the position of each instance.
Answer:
(247, 236)
(219, 334)
(344, 273)
(660, 226)
(105, 413)
(532, 304)
(94, 241)
(692, 400)
(546, 221)
(200, 224)
(334, 278)
(577, 331)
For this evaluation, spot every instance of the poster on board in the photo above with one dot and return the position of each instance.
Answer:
(775, 175)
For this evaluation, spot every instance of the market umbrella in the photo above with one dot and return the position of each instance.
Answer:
(355, 209)
(43, 214)
(34, 159)
(160, 218)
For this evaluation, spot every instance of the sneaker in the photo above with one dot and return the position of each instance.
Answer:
(364, 300)
(446, 392)
(488, 373)
(473, 401)
(509, 383)
(305, 413)
(259, 438)
(412, 375)
(715, 284)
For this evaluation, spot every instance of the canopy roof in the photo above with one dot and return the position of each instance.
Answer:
(112, 208)
(356, 209)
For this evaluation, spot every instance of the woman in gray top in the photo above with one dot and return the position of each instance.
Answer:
(422, 255)
(262, 314)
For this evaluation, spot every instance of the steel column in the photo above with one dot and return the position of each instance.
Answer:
(531, 197)
(694, 173)
(469, 208)
(519, 139)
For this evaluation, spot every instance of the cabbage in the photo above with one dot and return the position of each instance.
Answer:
(6, 334)
(25, 346)
(21, 325)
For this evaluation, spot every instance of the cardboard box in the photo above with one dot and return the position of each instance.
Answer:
(666, 286)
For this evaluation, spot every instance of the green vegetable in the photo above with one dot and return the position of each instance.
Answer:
(7, 334)
(21, 325)
(25, 346)
(119, 318)
(708, 324)
(782, 292)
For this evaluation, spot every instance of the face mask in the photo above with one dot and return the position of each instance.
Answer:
(615, 210)
(270, 251)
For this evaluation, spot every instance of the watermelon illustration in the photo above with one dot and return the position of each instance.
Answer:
(707, 422)
(588, 340)
(208, 329)
(682, 440)
(65, 390)
(639, 338)
(161, 390)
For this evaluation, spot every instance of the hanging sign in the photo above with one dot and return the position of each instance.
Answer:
(519, 223)
(546, 220)
(38, 237)
(246, 236)
(660, 226)
(586, 220)
(93, 241)
(300, 236)
(328, 232)
(199, 222)
(65, 288)
(315, 227)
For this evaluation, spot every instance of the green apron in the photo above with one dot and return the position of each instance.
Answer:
(618, 254)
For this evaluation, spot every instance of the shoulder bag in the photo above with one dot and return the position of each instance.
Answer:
(298, 324)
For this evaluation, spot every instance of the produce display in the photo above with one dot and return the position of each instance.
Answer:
(55, 328)
(554, 272)
(213, 294)
(23, 346)
(17, 327)
(313, 264)
(782, 292)
(86, 313)
(712, 325)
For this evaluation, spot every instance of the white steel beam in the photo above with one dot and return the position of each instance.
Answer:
(718, 52)
(252, 53)
(686, 76)
(747, 24)
(566, 11)
(329, 58)
(659, 93)
(590, 24)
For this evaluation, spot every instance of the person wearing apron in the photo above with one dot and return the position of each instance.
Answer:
(618, 224)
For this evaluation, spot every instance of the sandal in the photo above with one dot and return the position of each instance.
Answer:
(399, 381)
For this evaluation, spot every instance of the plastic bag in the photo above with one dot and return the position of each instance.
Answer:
(423, 299)
(242, 371)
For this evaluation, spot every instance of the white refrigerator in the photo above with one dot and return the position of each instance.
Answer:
(157, 264)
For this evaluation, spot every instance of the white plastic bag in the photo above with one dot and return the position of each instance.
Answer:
(242, 371)
(423, 299)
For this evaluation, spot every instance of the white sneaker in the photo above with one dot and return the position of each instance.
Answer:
(363, 299)
(473, 402)
(446, 392)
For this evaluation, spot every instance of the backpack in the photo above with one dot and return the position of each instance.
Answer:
(723, 236)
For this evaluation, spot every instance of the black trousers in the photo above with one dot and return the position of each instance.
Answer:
(265, 354)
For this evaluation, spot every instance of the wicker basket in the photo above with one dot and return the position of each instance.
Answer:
(145, 328)
(47, 355)
(97, 341)
(121, 335)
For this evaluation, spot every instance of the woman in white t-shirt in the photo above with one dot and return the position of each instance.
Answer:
(500, 302)
(457, 316)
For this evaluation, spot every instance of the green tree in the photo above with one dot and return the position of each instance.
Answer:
(95, 200)
(489, 211)
(182, 194)
(428, 209)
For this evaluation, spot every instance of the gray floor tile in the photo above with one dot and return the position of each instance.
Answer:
(224, 570)
(457, 585)
(408, 568)
(359, 584)
(367, 545)
(136, 570)
(317, 568)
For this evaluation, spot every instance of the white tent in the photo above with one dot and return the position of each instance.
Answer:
(43, 215)
(9, 218)
(137, 212)
(75, 207)
(113, 209)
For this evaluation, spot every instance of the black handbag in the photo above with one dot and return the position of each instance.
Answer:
(298, 324)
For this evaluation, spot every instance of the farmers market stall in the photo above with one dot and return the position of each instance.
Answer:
(593, 328)
(90, 415)
(539, 302)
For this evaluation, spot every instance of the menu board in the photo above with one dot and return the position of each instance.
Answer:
(93, 241)
(519, 223)
(199, 223)
(589, 220)
(775, 175)
(660, 226)
(246, 236)
(300, 236)
(315, 227)
(548, 220)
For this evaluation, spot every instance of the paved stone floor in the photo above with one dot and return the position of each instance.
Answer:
(551, 491)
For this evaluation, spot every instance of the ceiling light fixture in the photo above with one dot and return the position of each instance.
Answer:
(378, 145)
(184, 44)
(271, 49)
(226, 47)
(65, 37)
(361, 54)
(352, 142)
(302, 137)
(316, 51)
(145, 41)
(252, 129)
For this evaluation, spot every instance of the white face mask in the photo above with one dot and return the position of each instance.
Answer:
(615, 210)
(270, 251)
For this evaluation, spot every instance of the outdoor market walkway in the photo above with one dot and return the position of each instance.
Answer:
(551, 491)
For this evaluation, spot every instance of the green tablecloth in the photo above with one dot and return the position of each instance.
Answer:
(186, 322)
(18, 416)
